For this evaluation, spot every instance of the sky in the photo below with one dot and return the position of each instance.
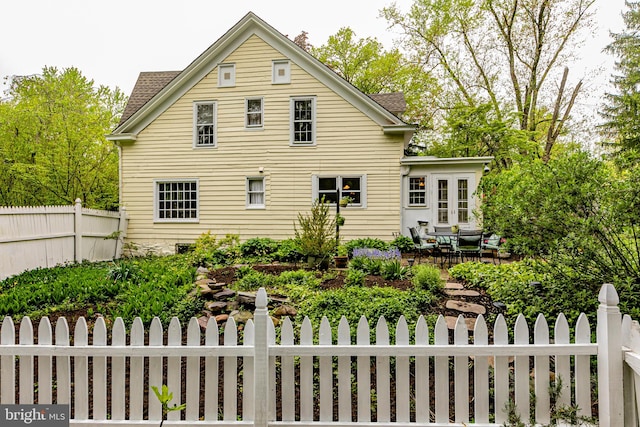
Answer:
(112, 41)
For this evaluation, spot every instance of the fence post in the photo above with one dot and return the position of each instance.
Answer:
(122, 232)
(609, 331)
(78, 231)
(261, 360)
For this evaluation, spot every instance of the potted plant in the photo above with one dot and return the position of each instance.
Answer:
(345, 201)
(341, 259)
(315, 235)
(455, 228)
(339, 220)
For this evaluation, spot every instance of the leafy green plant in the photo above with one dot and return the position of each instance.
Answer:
(403, 243)
(315, 234)
(254, 280)
(355, 277)
(164, 397)
(259, 248)
(427, 278)
(394, 270)
(288, 251)
(299, 277)
(366, 242)
(123, 271)
(209, 251)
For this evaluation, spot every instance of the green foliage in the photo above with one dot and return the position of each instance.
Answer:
(254, 280)
(53, 148)
(315, 233)
(208, 251)
(427, 278)
(394, 270)
(121, 271)
(164, 398)
(299, 277)
(355, 277)
(260, 249)
(366, 242)
(352, 302)
(403, 243)
(288, 251)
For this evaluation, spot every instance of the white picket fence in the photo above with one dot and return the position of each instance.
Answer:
(46, 236)
(320, 378)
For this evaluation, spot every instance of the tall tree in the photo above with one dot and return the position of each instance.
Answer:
(52, 140)
(503, 53)
(367, 65)
(621, 111)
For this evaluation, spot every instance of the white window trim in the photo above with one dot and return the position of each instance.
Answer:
(246, 113)
(315, 188)
(264, 193)
(195, 124)
(222, 68)
(156, 217)
(286, 79)
(313, 121)
(426, 192)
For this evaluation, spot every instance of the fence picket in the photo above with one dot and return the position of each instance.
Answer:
(441, 337)
(403, 392)
(501, 370)
(174, 368)
(99, 372)
(7, 364)
(118, 371)
(230, 411)
(287, 377)
(383, 385)
(271, 341)
(192, 398)
(63, 364)
(326, 373)
(306, 373)
(248, 379)
(212, 339)
(344, 373)
(521, 370)
(541, 371)
(363, 337)
(563, 363)
(156, 338)
(423, 402)
(461, 372)
(136, 372)
(80, 372)
(582, 368)
(481, 373)
(45, 372)
(26, 362)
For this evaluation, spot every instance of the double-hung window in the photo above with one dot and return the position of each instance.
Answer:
(176, 201)
(255, 193)
(332, 187)
(204, 124)
(303, 121)
(254, 111)
(417, 191)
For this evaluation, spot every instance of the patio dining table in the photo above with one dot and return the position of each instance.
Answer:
(447, 251)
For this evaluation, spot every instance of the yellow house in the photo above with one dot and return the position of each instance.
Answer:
(254, 130)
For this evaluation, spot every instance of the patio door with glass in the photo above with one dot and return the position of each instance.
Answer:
(453, 199)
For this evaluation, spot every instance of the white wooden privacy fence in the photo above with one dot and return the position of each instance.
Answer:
(321, 378)
(45, 236)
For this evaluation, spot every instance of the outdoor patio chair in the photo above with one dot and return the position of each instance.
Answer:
(445, 245)
(469, 244)
(420, 247)
(491, 243)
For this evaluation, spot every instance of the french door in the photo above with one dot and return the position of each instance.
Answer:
(453, 199)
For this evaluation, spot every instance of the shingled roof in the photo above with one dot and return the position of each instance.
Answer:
(149, 83)
(392, 102)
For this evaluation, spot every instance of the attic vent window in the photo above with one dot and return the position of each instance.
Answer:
(281, 72)
(227, 75)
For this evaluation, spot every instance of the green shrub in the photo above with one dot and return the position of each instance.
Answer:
(354, 277)
(254, 280)
(427, 278)
(299, 277)
(122, 271)
(394, 270)
(315, 234)
(208, 251)
(259, 248)
(288, 251)
(403, 243)
(366, 242)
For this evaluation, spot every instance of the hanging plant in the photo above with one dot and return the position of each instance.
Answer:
(340, 220)
(345, 201)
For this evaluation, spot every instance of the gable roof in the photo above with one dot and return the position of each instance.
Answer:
(393, 102)
(154, 92)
